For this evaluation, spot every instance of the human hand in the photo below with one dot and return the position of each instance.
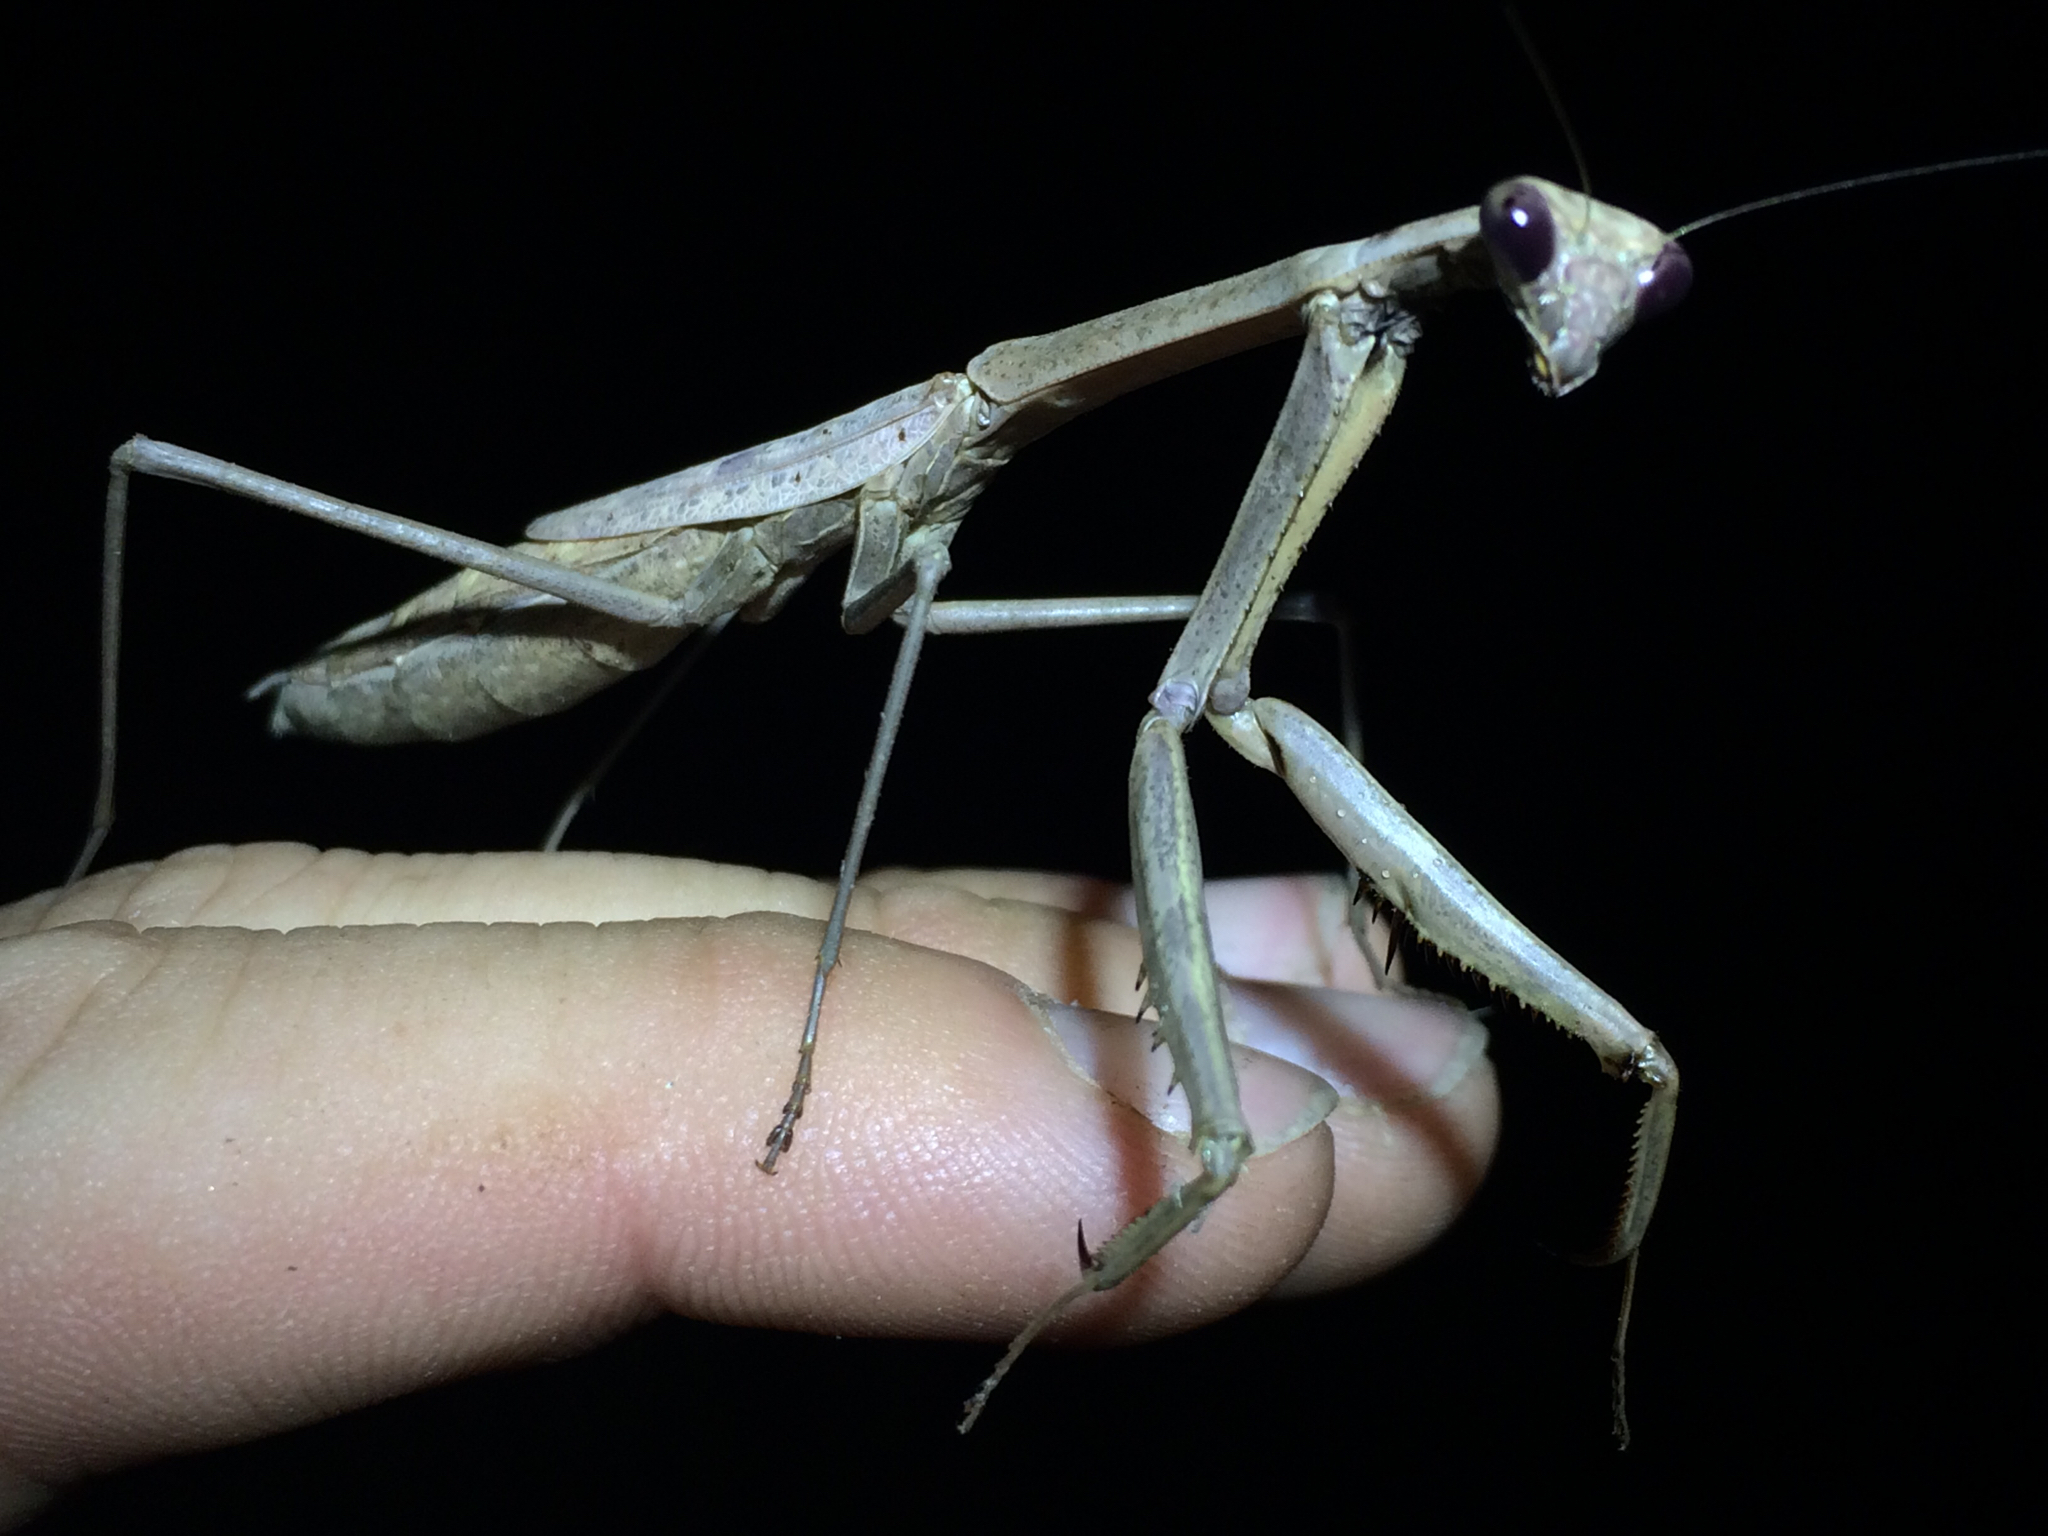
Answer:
(252, 1177)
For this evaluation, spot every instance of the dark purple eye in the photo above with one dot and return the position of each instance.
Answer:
(1664, 282)
(1515, 223)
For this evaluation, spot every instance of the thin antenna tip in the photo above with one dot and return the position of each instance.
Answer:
(1850, 183)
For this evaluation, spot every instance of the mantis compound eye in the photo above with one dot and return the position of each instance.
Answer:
(1664, 282)
(1515, 223)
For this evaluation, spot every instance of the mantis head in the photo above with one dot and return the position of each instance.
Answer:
(1577, 273)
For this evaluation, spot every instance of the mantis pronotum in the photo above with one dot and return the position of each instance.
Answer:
(1578, 462)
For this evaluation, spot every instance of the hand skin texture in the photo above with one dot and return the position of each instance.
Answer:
(283, 1133)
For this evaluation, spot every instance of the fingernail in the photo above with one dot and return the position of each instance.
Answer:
(1281, 1100)
(1382, 1049)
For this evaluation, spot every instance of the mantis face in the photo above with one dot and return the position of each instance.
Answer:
(1577, 273)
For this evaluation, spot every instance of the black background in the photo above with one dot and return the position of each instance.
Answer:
(1716, 672)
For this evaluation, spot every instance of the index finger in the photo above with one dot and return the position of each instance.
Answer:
(459, 1143)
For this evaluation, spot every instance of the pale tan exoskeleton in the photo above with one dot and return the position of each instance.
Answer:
(893, 479)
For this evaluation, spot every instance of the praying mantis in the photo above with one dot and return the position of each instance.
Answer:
(1582, 459)
(523, 632)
